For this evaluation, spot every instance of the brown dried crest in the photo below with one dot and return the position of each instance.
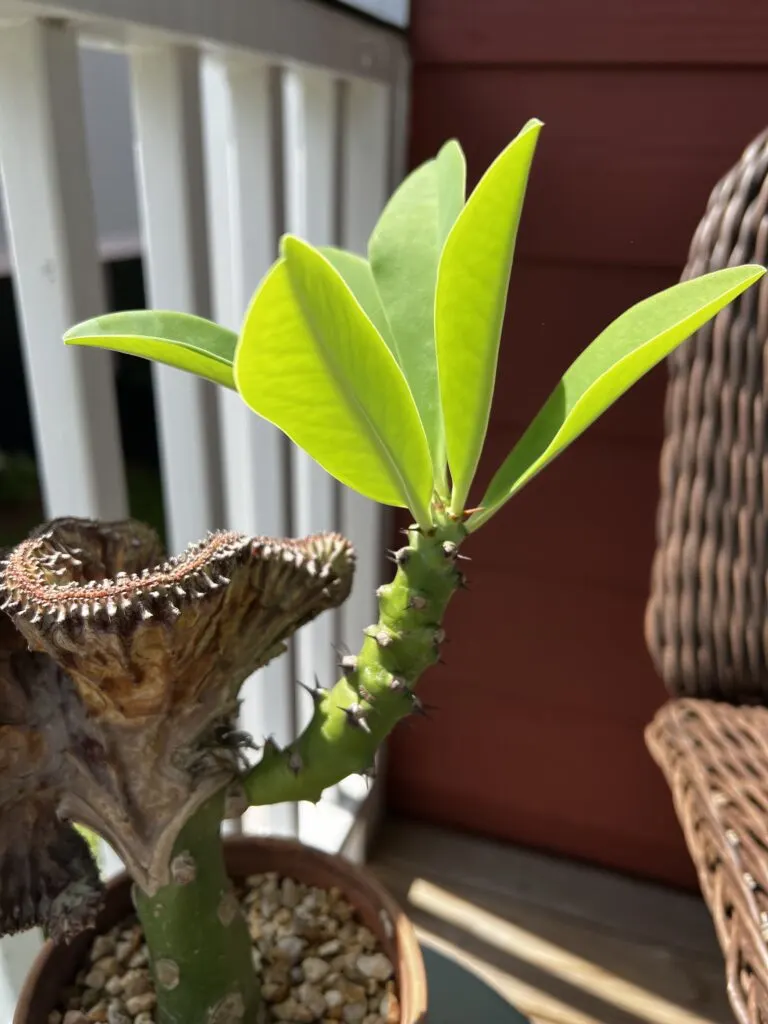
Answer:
(156, 651)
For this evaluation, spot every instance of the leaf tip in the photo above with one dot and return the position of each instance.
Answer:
(451, 146)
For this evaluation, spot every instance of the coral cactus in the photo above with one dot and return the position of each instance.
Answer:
(383, 370)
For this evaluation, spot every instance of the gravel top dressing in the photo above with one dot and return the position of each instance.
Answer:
(315, 960)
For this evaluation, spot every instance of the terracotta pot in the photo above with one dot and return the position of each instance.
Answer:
(56, 965)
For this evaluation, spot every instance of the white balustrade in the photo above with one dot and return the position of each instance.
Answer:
(248, 120)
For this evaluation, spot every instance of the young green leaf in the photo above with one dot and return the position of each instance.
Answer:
(310, 361)
(356, 271)
(472, 283)
(404, 252)
(625, 351)
(177, 339)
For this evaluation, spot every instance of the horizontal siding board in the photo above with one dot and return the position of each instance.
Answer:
(573, 651)
(587, 521)
(578, 789)
(626, 161)
(554, 312)
(601, 32)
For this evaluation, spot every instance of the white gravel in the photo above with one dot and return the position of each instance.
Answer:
(316, 962)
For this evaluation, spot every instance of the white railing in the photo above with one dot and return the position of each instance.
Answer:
(249, 119)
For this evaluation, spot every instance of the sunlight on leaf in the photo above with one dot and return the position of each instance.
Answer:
(472, 283)
(176, 339)
(310, 361)
(404, 252)
(356, 271)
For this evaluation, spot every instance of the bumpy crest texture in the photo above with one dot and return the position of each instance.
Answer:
(150, 654)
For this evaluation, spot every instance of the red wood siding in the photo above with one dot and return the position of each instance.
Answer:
(547, 687)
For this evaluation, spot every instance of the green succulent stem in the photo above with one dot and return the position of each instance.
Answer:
(198, 941)
(376, 689)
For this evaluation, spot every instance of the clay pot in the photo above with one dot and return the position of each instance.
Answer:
(56, 965)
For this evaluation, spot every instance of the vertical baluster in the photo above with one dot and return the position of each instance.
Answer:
(243, 127)
(57, 277)
(368, 157)
(166, 107)
(311, 157)
(312, 212)
(365, 184)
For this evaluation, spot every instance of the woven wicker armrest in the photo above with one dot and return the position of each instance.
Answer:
(715, 759)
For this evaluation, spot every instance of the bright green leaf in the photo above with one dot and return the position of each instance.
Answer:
(472, 283)
(177, 339)
(311, 362)
(356, 271)
(625, 351)
(404, 251)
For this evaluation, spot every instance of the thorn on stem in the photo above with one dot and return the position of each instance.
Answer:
(316, 692)
(270, 747)
(399, 557)
(356, 717)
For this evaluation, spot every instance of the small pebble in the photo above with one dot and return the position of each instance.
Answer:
(123, 951)
(136, 983)
(315, 968)
(330, 948)
(103, 945)
(116, 1014)
(311, 997)
(107, 964)
(96, 979)
(144, 1018)
(353, 1013)
(75, 1017)
(289, 893)
(114, 986)
(333, 998)
(293, 1011)
(376, 966)
(139, 958)
(136, 1004)
(290, 947)
(55, 1017)
(352, 993)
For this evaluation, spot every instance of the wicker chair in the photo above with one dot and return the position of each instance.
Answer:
(707, 617)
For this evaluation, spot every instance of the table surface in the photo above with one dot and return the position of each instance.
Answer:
(457, 996)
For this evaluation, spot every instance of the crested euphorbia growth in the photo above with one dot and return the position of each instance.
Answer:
(122, 714)
(383, 370)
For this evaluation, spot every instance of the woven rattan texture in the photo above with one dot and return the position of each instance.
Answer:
(715, 759)
(706, 617)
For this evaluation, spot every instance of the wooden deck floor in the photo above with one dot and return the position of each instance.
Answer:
(567, 944)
